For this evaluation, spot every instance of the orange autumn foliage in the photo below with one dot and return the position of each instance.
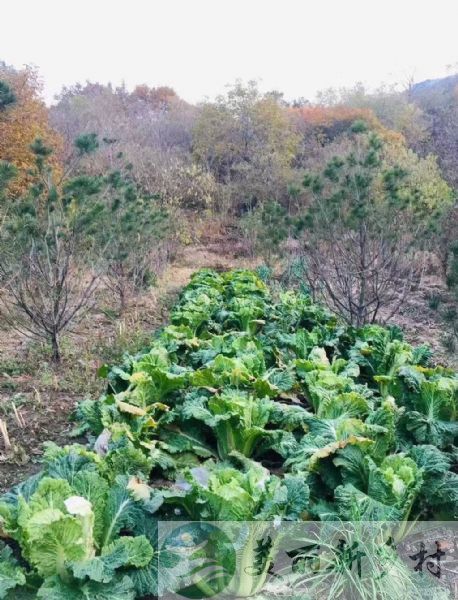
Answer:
(22, 122)
(339, 117)
(158, 97)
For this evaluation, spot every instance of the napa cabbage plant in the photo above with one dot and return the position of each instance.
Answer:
(80, 535)
(237, 490)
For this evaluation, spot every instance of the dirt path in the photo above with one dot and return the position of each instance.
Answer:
(194, 257)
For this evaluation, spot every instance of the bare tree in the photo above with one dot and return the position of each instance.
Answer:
(46, 291)
(135, 273)
(365, 280)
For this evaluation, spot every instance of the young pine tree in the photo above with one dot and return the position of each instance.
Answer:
(47, 240)
(364, 228)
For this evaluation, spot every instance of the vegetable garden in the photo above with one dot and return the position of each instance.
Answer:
(252, 405)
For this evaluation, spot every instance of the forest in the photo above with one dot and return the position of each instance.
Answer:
(243, 310)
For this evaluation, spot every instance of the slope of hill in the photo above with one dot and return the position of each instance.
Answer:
(440, 85)
(438, 99)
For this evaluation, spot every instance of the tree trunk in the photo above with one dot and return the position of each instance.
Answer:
(55, 348)
(122, 297)
(362, 277)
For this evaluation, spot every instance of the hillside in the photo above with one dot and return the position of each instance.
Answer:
(440, 86)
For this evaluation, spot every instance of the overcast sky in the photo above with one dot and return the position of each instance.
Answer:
(199, 46)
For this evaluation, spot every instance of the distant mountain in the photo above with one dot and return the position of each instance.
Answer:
(443, 84)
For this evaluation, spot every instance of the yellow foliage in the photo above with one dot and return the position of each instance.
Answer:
(423, 175)
(22, 122)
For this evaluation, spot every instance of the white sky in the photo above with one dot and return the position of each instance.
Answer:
(199, 46)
